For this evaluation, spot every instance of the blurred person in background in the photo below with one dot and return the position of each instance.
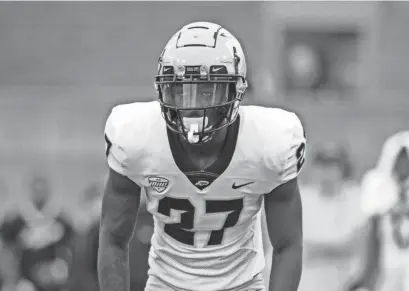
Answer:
(333, 222)
(385, 201)
(84, 276)
(41, 232)
(86, 216)
(9, 270)
(9, 267)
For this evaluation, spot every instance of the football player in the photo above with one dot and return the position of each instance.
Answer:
(386, 203)
(332, 240)
(207, 165)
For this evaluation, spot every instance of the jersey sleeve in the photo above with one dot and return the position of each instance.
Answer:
(115, 154)
(294, 149)
(287, 156)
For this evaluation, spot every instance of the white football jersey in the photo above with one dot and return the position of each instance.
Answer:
(381, 196)
(207, 239)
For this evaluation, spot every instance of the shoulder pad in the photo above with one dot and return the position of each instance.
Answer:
(284, 142)
(126, 131)
(293, 147)
(379, 193)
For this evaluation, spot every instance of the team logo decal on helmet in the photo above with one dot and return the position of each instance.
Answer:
(201, 80)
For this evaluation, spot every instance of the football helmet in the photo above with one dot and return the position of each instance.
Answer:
(391, 149)
(201, 80)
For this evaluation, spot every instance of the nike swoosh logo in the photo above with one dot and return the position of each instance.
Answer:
(217, 69)
(234, 186)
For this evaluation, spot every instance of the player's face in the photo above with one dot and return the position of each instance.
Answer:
(40, 190)
(200, 95)
(197, 97)
(402, 165)
(329, 174)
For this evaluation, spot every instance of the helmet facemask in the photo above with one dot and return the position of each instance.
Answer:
(197, 104)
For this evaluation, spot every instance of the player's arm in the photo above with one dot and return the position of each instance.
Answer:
(283, 207)
(267, 249)
(371, 261)
(284, 223)
(119, 209)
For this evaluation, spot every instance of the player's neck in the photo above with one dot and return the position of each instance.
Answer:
(331, 190)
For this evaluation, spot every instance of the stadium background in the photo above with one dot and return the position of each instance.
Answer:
(340, 65)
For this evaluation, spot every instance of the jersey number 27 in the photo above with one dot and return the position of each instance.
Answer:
(181, 231)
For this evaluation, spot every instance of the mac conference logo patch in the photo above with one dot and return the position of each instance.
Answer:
(158, 183)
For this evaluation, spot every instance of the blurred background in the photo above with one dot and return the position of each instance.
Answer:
(342, 66)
